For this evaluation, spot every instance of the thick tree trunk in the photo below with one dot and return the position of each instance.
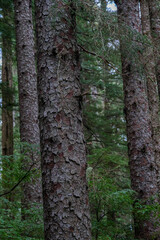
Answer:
(139, 133)
(7, 113)
(154, 13)
(152, 88)
(28, 102)
(66, 208)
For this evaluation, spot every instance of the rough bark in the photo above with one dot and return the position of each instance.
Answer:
(154, 10)
(7, 111)
(152, 88)
(28, 102)
(139, 133)
(66, 208)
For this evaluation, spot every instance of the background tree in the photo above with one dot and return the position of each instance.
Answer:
(154, 13)
(139, 133)
(152, 87)
(7, 99)
(28, 103)
(108, 175)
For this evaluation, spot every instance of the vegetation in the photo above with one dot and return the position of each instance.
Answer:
(112, 54)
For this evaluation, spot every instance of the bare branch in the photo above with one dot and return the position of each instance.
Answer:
(101, 57)
(17, 184)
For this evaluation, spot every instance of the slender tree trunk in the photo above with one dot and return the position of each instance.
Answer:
(28, 102)
(7, 101)
(66, 208)
(152, 88)
(139, 133)
(154, 13)
(7, 113)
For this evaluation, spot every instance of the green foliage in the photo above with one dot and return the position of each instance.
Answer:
(110, 194)
(7, 24)
(12, 226)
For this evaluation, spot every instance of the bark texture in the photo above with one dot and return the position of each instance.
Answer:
(65, 197)
(7, 111)
(152, 88)
(28, 102)
(154, 13)
(7, 101)
(139, 132)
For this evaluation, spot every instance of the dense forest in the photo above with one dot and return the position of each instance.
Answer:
(79, 119)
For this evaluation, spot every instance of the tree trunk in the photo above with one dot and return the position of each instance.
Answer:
(7, 101)
(7, 112)
(28, 102)
(139, 133)
(154, 9)
(66, 207)
(152, 88)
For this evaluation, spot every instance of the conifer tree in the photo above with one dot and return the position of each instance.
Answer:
(65, 198)
(154, 13)
(28, 103)
(7, 99)
(139, 132)
(151, 79)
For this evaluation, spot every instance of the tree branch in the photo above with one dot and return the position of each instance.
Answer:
(101, 57)
(16, 185)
